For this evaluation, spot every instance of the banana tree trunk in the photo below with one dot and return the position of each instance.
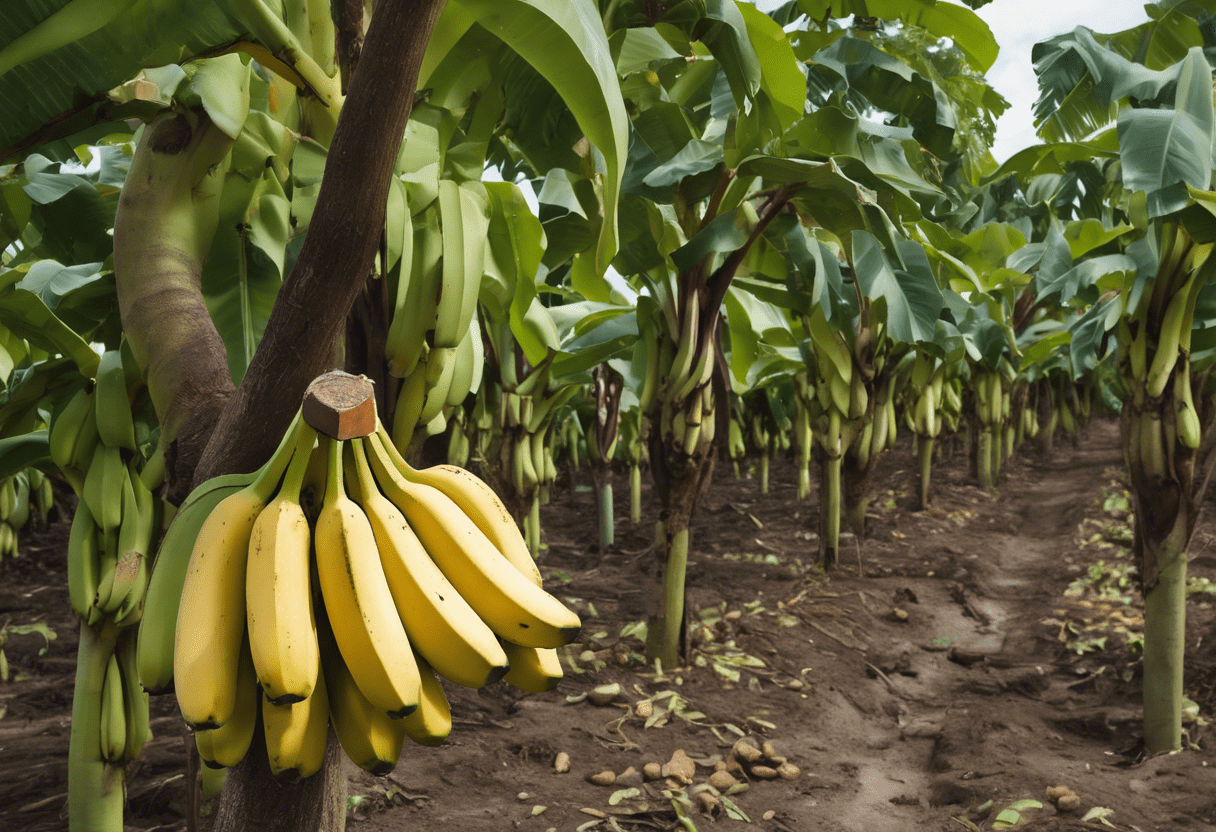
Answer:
(829, 510)
(252, 799)
(1162, 474)
(679, 478)
(856, 493)
(983, 458)
(924, 465)
(678, 486)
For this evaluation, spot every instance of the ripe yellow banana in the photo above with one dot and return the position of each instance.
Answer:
(158, 625)
(206, 753)
(278, 592)
(440, 624)
(211, 617)
(358, 601)
(483, 506)
(368, 735)
(230, 742)
(533, 669)
(296, 734)
(514, 607)
(432, 722)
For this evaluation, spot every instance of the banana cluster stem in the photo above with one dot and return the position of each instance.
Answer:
(606, 520)
(95, 788)
(829, 511)
(924, 464)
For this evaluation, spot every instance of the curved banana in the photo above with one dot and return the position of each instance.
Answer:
(84, 564)
(507, 600)
(115, 424)
(296, 734)
(483, 506)
(230, 742)
(211, 617)
(533, 669)
(67, 428)
(103, 486)
(368, 735)
(135, 698)
(358, 601)
(202, 741)
(157, 629)
(278, 593)
(113, 715)
(432, 722)
(441, 625)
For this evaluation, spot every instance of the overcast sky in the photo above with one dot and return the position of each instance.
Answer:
(1018, 25)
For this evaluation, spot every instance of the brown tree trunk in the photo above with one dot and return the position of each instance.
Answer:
(311, 310)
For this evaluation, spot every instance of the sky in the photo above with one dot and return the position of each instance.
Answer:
(1018, 25)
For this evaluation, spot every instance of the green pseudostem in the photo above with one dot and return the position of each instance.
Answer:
(606, 519)
(95, 788)
(924, 464)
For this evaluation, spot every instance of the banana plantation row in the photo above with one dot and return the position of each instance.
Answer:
(750, 225)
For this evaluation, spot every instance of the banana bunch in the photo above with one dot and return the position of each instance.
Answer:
(804, 395)
(117, 518)
(124, 725)
(928, 383)
(434, 341)
(92, 440)
(679, 367)
(405, 575)
(17, 493)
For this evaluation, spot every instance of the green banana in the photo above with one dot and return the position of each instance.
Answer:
(113, 715)
(115, 424)
(84, 564)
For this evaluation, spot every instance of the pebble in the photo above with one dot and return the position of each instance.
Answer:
(602, 778)
(1056, 792)
(561, 763)
(769, 749)
(770, 814)
(645, 708)
(604, 694)
(722, 780)
(680, 766)
(764, 772)
(629, 777)
(1069, 802)
(795, 684)
(708, 802)
(746, 750)
(652, 771)
(788, 771)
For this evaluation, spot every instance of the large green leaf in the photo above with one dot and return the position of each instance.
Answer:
(903, 290)
(889, 85)
(946, 20)
(781, 77)
(26, 313)
(564, 41)
(1081, 82)
(58, 59)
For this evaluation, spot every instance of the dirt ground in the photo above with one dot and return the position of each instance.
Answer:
(961, 661)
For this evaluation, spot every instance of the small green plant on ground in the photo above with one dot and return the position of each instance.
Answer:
(7, 630)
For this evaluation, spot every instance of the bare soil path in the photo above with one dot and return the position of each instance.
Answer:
(983, 651)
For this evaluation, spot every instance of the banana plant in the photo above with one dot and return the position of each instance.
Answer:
(607, 386)
(1165, 130)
